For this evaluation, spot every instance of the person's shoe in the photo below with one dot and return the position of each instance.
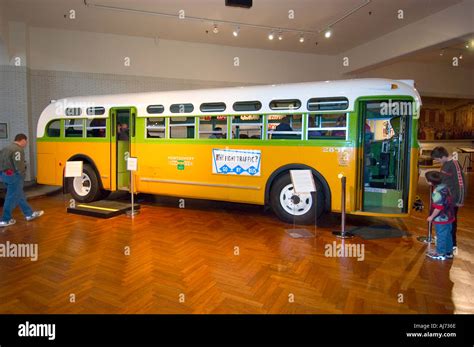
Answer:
(436, 256)
(449, 255)
(35, 215)
(5, 223)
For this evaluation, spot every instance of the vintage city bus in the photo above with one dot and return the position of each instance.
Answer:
(239, 145)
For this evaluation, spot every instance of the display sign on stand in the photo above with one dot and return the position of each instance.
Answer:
(303, 181)
(132, 166)
(73, 169)
(303, 184)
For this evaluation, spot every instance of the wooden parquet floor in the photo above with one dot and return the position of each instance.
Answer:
(221, 258)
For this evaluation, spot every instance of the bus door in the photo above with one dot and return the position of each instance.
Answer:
(123, 135)
(384, 178)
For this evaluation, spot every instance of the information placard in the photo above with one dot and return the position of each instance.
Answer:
(303, 181)
(132, 164)
(73, 169)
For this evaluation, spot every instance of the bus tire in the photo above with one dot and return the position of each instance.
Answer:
(291, 207)
(87, 187)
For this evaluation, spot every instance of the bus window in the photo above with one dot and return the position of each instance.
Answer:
(96, 127)
(74, 127)
(182, 127)
(213, 127)
(95, 111)
(155, 128)
(290, 104)
(213, 107)
(327, 126)
(281, 126)
(73, 111)
(328, 104)
(54, 128)
(247, 126)
(181, 108)
(247, 106)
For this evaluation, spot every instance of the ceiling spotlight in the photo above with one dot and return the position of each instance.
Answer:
(301, 38)
(460, 56)
(441, 53)
(328, 33)
(280, 36)
(215, 30)
(236, 32)
(271, 36)
(467, 45)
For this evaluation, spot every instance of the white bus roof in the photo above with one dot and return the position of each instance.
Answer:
(350, 89)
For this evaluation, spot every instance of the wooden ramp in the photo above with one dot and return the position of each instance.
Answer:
(101, 209)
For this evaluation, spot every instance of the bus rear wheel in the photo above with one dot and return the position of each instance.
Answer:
(85, 188)
(291, 207)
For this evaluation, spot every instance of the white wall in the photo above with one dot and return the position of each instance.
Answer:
(3, 35)
(62, 50)
(3, 53)
(430, 79)
(18, 46)
(449, 24)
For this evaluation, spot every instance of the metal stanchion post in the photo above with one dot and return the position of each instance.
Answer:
(428, 239)
(342, 233)
(132, 213)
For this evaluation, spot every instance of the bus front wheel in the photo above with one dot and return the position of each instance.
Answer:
(291, 207)
(85, 188)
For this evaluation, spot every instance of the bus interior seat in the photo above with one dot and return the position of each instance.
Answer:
(94, 132)
(54, 132)
(286, 136)
(190, 132)
(71, 132)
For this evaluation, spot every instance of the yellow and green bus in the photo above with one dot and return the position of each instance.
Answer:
(239, 145)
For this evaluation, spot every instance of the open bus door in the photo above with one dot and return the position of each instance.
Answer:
(384, 149)
(123, 134)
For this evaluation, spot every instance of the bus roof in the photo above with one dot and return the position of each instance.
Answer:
(350, 89)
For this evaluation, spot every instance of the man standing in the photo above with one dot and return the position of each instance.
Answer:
(123, 133)
(453, 177)
(13, 169)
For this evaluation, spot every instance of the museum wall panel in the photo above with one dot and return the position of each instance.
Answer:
(14, 106)
(62, 50)
(431, 79)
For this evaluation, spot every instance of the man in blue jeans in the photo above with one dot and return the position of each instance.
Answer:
(13, 169)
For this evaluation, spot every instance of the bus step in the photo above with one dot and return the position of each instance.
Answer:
(101, 209)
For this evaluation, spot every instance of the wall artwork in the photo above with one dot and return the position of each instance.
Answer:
(3, 131)
(438, 122)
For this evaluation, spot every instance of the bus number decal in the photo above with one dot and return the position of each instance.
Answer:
(343, 155)
(333, 149)
(343, 158)
(180, 162)
(236, 162)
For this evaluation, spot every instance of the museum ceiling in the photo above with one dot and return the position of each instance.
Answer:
(377, 18)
